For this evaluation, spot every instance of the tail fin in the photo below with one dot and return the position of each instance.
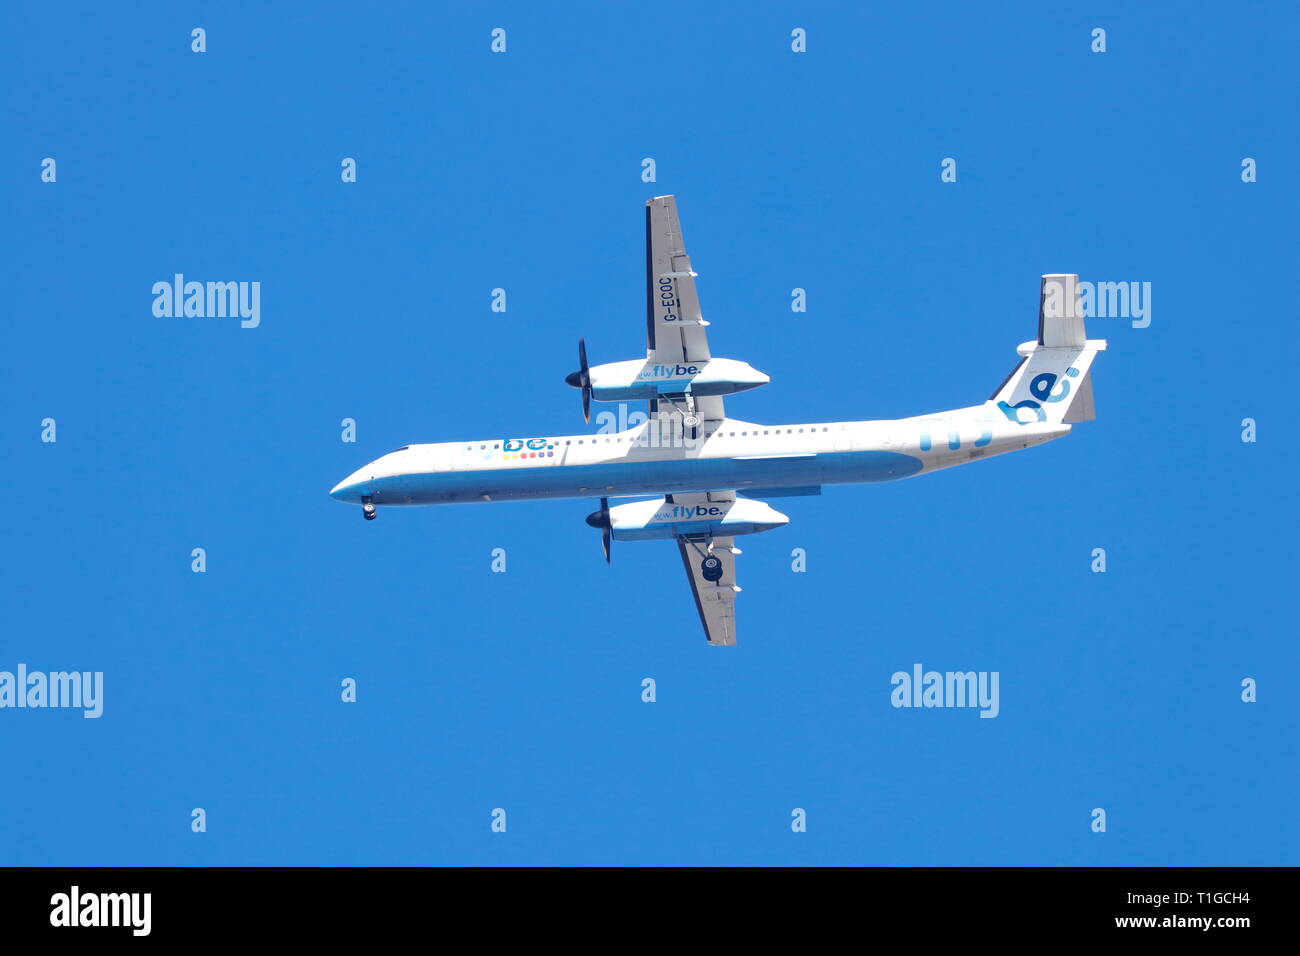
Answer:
(1053, 382)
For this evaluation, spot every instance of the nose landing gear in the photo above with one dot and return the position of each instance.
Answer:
(368, 508)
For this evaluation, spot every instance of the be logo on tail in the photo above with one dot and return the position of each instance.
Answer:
(1046, 388)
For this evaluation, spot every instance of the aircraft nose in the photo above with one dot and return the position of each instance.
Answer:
(346, 490)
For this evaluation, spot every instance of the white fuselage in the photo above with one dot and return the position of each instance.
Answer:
(655, 459)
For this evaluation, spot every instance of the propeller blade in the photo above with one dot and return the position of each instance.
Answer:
(606, 535)
(600, 519)
(582, 379)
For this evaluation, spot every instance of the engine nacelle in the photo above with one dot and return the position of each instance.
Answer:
(639, 379)
(656, 519)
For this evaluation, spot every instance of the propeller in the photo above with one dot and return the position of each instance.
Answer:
(600, 519)
(582, 379)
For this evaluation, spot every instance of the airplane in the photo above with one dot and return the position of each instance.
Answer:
(707, 472)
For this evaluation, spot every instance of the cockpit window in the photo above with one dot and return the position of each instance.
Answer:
(403, 448)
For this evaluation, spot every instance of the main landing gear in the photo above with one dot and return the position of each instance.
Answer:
(368, 508)
(692, 425)
(684, 407)
(711, 565)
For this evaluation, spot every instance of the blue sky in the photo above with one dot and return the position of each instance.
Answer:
(521, 690)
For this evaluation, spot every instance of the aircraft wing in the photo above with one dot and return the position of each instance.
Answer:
(715, 600)
(675, 329)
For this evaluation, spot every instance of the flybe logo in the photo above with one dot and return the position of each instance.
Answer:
(527, 448)
(669, 371)
(1045, 388)
(678, 512)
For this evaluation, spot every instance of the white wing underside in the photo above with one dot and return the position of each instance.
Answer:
(715, 600)
(675, 328)
(676, 333)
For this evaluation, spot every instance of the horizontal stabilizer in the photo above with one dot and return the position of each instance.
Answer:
(1082, 408)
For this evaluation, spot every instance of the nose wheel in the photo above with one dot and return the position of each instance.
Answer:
(368, 509)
